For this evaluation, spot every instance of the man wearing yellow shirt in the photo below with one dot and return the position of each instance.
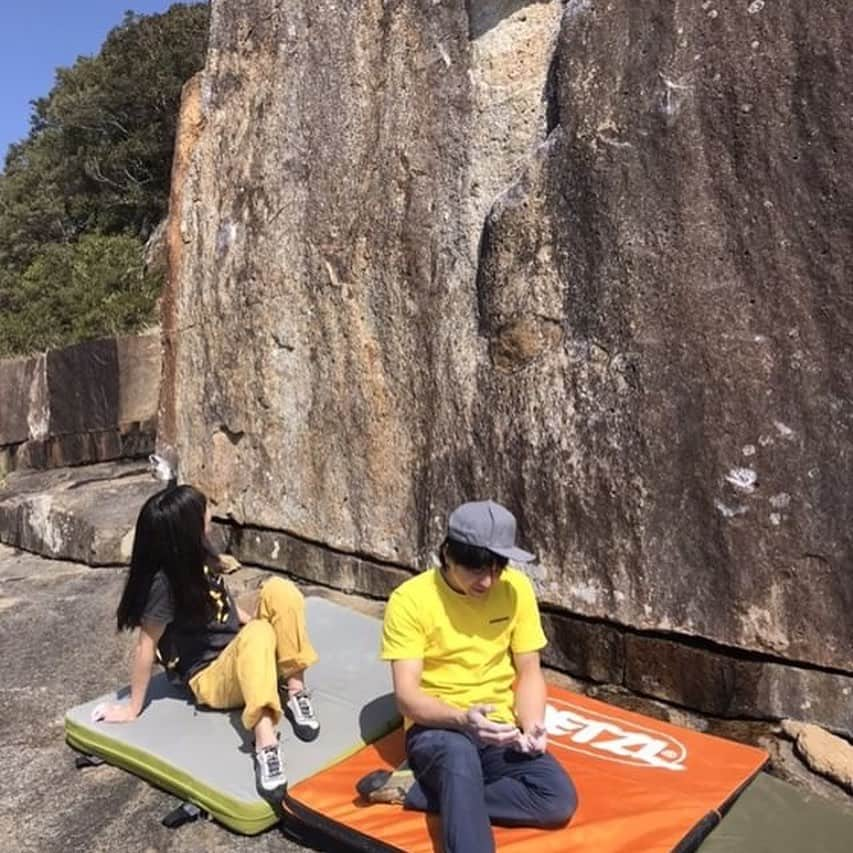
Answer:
(463, 641)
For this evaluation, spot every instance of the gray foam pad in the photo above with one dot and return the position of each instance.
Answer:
(352, 692)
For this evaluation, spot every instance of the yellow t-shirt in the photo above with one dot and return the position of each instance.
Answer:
(465, 643)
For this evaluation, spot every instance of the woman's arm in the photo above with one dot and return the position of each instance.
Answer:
(144, 655)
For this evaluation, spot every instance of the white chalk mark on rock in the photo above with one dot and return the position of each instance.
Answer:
(743, 479)
(728, 511)
(333, 276)
(444, 54)
(783, 430)
(589, 593)
(675, 92)
(780, 501)
(225, 236)
(577, 7)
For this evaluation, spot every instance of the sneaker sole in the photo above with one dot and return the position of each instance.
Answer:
(304, 733)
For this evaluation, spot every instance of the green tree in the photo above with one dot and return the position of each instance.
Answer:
(94, 287)
(97, 161)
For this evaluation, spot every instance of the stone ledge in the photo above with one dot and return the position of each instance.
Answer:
(726, 685)
(826, 754)
(584, 649)
(86, 514)
(310, 561)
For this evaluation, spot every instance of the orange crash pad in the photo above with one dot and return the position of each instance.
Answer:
(643, 786)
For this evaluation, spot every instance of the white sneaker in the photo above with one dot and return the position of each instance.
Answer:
(269, 768)
(299, 709)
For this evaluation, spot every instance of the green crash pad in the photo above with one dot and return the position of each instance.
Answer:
(205, 756)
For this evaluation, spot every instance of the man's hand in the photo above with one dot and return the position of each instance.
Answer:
(488, 731)
(113, 714)
(534, 741)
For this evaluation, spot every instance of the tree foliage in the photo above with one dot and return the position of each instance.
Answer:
(71, 292)
(97, 161)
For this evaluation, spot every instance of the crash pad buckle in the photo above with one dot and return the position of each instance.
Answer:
(186, 812)
(87, 760)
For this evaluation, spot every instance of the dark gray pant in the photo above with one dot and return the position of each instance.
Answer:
(471, 786)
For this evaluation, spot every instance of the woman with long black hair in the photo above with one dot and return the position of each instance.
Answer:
(188, 621)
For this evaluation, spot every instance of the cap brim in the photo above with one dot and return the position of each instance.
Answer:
(514, 554)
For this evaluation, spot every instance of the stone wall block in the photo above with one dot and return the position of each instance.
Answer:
(139, 377)
(83, 404)
(22, 399)
(83, 387)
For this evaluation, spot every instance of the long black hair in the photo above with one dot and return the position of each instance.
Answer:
(170, 537)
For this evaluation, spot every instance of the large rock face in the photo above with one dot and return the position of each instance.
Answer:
(589, 259)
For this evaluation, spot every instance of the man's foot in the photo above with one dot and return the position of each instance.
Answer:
(386, 786)
(269, 768)
(299, 709)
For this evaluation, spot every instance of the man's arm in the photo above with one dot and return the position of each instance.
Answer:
(403, 645)
(426, 710)
(418, 706)
(530, 695)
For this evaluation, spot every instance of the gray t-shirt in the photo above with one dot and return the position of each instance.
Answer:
(186, 648)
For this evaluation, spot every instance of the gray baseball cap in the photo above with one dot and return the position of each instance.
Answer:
(487, 525)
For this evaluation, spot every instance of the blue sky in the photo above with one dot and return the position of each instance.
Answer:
(37, 36)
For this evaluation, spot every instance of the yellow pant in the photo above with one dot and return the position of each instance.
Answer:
(275, 643)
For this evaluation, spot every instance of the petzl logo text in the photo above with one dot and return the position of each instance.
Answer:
(582, 730)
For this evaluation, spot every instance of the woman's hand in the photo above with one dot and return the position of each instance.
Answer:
(116, 713)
